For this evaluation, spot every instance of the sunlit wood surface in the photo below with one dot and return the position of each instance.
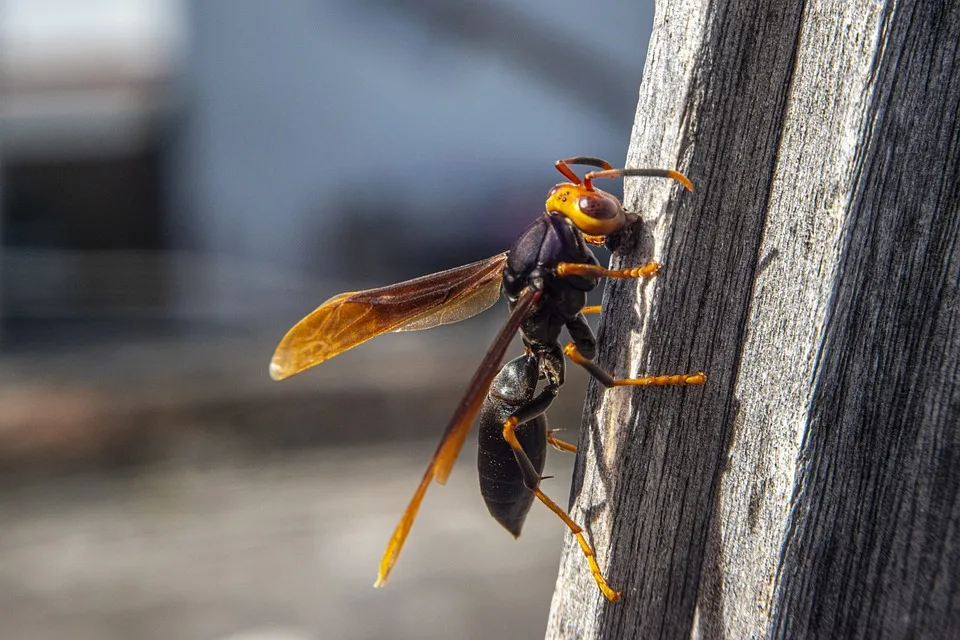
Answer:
(811, 489)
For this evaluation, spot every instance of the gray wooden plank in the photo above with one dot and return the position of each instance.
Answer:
(873, 550)
(814, 276)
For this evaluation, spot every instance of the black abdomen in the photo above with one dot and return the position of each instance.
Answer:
(501, 482)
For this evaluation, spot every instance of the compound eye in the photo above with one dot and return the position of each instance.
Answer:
(598, 207)
(553, 190)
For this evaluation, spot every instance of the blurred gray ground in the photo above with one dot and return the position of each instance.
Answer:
(171, 490)
(289, 546)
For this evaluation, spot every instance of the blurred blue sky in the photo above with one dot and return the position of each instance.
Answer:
(294, 107)
(369, 140)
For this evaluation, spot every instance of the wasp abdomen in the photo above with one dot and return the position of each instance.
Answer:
(501, 480)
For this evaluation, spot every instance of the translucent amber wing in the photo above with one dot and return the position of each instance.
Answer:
(346, 320)
(484, 296)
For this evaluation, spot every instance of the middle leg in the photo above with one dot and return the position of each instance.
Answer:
(583, 349)
(558, 444)
(609, 381)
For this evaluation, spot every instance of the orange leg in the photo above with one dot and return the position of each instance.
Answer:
(565, 269)
(597, 241)
(591, 309)
(532, 482)
(610, 594)
(648, 381)
(558, 444)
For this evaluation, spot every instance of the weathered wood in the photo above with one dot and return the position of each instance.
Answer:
(812, 487)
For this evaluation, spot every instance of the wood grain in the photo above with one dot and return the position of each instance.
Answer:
(812, 487)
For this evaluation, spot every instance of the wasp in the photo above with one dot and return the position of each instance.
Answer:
(545, 277)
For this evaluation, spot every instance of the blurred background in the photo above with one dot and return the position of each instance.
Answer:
(182, 181)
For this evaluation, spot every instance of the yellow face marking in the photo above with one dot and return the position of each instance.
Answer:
(565, 200)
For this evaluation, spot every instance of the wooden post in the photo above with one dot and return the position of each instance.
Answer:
(812, 487)
(3, 211)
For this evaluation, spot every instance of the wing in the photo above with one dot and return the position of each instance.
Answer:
(346, 320)
(456, 432)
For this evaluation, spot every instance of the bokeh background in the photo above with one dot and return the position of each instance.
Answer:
(179, 183)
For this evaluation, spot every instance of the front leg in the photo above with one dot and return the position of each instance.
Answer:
(567, 269)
